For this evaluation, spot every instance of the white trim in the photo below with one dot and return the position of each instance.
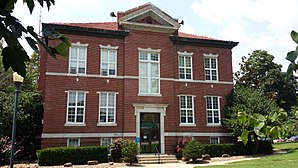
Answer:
(75, 123)
(198, 134)
(150, 108)
(212, 111)
(185, 53)
(137, 77)
(186, 95)
(101, 139)
(149, 50)
(210, 69)
(107, 124)
(79, 141)
(186, 109)
(147, 94)
(78, 44)
(210, 55)
(187, 124)
(109, 47)
(107, 107)
(86, 135)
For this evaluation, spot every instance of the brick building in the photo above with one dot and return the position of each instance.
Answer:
(135, 78)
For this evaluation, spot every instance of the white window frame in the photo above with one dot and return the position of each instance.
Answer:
(77, 45)
(108, 48)
(115, 109)
(186, 109)
(212, 111)
(149, 51)
(184, 55)
(217, 139)
(69, 139)
(210, 69)
(75, 123)
(105, 138)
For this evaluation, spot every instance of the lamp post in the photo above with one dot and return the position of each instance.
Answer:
(18, 79)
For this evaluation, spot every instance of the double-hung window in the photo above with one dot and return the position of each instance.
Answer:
(108, 60)
(77, 58)
(211, 67)
(105, 141)
(186, 109)
(107, 108)
(214, 140)
(213, 110)
(185, 65)
(73, 142)
(76, 107)
(149, 72)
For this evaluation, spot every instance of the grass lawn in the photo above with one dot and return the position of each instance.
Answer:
(288, 160)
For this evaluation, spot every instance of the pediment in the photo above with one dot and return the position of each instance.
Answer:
(148, 17)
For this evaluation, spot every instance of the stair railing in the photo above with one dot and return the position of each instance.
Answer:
(158, 154)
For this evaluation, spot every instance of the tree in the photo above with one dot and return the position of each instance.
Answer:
(252, 115)
(30, 109)
(129, 150)
(292, 56)
(260, 72)
(11, 30)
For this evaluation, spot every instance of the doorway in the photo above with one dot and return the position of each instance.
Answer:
(149, 132)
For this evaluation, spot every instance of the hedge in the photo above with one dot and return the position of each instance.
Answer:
(216, 150)
(74, 155)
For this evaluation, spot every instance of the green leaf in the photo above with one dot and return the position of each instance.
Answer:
(241, 118)
(244, 136)
(291, 69)
(32, 43)
(10, 5)
(65, 40)
(294, 36)
(274, 132)
(30, 5)
(291, 56)
(259, 126)
(62, 49)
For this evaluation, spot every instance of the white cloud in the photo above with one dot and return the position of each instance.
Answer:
(187, 28)
(256, 24)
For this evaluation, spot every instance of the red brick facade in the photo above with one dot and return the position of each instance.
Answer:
(55, 81)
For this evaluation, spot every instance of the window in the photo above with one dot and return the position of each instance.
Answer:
(76, 107)
(186, 109)
(107, 107)
(211, 72)
(214, 140)
(185, 65)
(108, 60)
(149, 82)
(105, 141)
(213, 112)
(73, 142)
(77, 58)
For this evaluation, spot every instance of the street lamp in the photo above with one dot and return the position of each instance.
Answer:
(18, 80)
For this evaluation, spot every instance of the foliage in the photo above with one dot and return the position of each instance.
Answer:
(130, 149)
(30, 108)
(74, 155)
(253, 116)
(217, 150)
(180, 145)
(4, 150)
(193, 150)
(260, 72)
(11, 30)
(115, 149)
(292, 56)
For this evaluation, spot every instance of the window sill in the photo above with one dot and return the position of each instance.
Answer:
(213, 125)
(187, 125)
(74, 125)
(155, 95)
(185, 80)
(106, 124)
(77, 74)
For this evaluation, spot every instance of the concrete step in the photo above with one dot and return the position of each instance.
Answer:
(153, 159)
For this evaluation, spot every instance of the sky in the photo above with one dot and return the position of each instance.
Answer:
(255, 24)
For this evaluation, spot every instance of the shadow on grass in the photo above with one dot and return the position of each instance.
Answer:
(201, 161)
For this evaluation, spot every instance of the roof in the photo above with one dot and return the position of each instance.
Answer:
(114, 26)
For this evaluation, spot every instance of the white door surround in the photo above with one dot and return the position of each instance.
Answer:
(151, 108)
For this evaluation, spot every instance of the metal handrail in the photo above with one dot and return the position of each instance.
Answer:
(158, 154)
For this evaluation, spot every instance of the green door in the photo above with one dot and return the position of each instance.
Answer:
(150, 132)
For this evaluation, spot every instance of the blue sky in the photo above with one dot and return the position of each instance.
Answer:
(256, 24)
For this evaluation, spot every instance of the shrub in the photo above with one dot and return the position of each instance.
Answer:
(193, 150)
(216, 150)
(4, 150)
(75, 155)
(180, 145)
(130, 149)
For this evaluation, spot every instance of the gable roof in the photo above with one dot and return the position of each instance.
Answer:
(136, 19)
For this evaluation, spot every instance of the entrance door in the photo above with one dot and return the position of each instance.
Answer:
(150, 132)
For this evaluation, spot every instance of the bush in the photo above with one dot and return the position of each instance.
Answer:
(216, 150)
(74, 155)
(4, 150)
(130, 149)
(193, 150)
(180, 145)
